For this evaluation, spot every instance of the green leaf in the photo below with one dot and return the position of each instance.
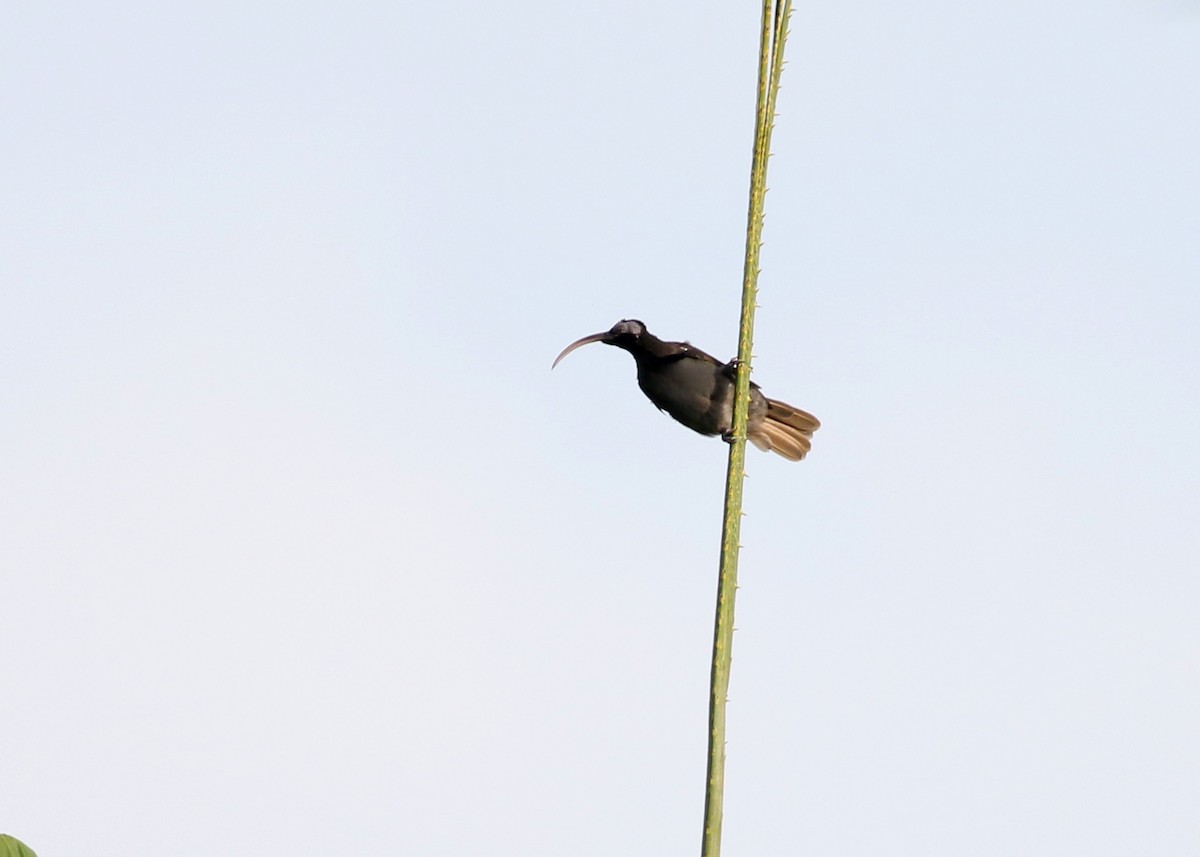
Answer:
(10, 847)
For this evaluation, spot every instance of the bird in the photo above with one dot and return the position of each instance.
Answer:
(697, 390)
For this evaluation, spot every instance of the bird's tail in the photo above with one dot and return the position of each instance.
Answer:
(785, 430)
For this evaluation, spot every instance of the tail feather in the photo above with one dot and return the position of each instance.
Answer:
(785, 430)
(785, 413)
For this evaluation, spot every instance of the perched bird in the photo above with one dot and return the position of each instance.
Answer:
(697, 390)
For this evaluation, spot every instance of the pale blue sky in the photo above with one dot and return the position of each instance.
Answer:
(304, 548)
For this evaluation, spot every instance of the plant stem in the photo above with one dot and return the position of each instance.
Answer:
(774, 35)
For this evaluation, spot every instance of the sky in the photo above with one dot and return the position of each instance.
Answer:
(303, 546)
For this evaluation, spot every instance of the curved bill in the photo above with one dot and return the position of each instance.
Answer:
(579, 343)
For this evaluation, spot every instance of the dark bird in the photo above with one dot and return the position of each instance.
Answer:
(697, 390)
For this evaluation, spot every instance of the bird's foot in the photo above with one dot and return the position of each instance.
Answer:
(731, 368)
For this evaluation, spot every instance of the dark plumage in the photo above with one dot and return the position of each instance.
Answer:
(697, 390)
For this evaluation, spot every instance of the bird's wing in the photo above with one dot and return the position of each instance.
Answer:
(687, 351)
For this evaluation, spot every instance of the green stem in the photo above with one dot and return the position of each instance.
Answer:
(774, 35)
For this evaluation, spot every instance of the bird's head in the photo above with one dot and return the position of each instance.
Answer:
(626, 334)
